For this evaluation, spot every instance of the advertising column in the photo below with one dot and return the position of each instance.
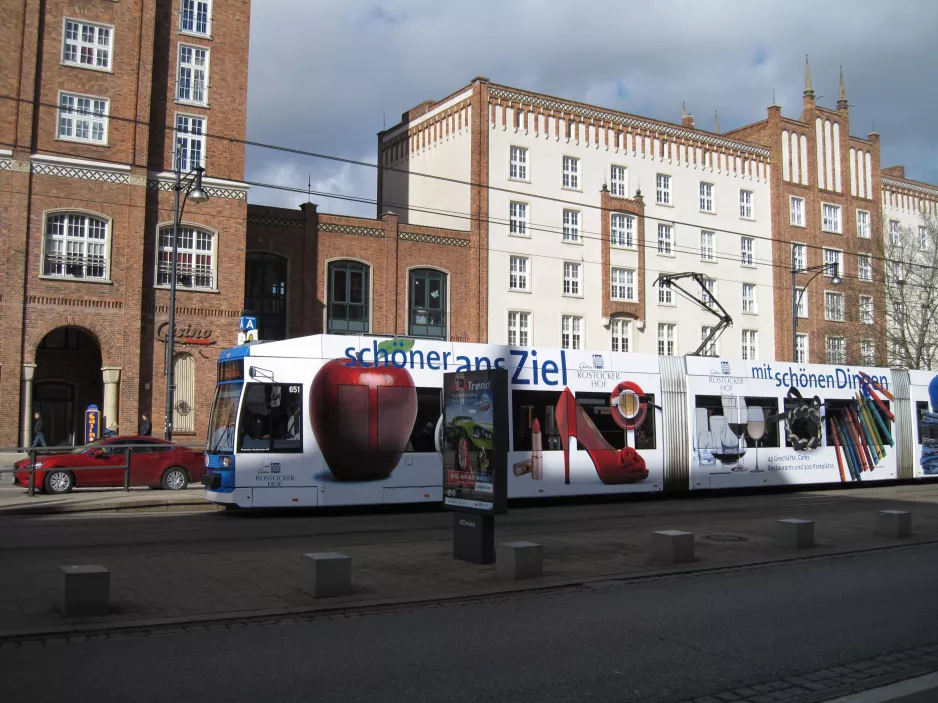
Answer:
(475, 459)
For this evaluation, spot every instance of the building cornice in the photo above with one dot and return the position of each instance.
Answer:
(914, 186)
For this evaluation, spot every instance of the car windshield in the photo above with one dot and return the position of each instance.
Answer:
(224, 413)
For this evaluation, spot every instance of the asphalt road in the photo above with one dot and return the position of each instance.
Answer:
(663, 640)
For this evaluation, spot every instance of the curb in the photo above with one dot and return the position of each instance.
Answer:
(111, 505)
(377, 605)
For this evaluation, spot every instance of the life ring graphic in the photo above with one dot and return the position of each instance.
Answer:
(803, 422)
(628, 405)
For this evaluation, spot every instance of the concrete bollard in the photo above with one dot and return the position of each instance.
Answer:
(326, 574)
(894, 523)
(672, 546)
(519, 560)
(86, 590)
(794, 534)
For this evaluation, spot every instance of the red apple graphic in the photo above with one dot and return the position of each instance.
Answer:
(362, 417)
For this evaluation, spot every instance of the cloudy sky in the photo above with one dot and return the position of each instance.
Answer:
(326, 75)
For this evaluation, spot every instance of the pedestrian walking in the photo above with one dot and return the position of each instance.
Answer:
(145, 427)
(39, 436)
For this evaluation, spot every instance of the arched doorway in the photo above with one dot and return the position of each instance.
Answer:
(67, 380)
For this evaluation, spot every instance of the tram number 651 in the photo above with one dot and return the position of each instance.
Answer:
(293, 390)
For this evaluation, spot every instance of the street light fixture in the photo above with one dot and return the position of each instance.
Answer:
(191, 186)
(833, 268)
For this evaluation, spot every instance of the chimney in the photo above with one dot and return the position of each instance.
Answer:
(686, 120)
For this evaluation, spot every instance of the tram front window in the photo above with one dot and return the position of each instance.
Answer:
(221, 434)
(272, 418)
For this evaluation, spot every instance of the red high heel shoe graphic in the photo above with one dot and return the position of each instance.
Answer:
(614, 466)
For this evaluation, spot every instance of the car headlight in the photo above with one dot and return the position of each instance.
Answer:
(38, 465)
(206, 461)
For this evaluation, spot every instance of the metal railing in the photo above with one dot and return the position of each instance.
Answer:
(126, 450)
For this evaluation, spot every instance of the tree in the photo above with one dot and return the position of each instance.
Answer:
(911, 277)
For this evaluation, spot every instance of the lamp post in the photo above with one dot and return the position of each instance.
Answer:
(191, 186)
(796, 295)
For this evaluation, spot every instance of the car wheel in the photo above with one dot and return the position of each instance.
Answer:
(174, 479)
(58, 482)
(462, 454)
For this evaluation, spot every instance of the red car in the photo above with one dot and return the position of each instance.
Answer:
(153, 462)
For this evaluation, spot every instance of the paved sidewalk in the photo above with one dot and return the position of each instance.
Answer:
(260, 577)
(14, 500)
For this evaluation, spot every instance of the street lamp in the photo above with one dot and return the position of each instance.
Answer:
(796, 295)
(191, 186)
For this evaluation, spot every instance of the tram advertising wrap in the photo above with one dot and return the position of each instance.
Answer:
(475, 439)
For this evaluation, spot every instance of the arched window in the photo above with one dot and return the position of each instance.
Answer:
(184, 408)
(349, 298)
(427, 296)
(265, 294)
(195, 258)
(76, 246)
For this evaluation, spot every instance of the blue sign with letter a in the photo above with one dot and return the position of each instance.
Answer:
(247, 324)
(92, 423)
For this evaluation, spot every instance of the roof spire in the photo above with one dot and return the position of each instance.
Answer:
(683, 109)
(808, 89)
(842, 103)
(716, 121)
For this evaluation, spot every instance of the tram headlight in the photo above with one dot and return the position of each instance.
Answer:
(225, 462)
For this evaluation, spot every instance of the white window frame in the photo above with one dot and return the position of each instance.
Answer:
(922, 237)
(864, 230)
(208, 20)
(663, 189)
(67, 237)
(866, 310)
(518, 167)
(571, 331)
(78, 114)
(571, 173)
(839, 261)
(802, 299)
(667, 338)
(193, 69)
(95, 46)
(709, 294)
(827, 222)
(189, 138)
(750, 345)
(747, 251)
(518, 219)
(620, 332)
(750, 302)
(867, 352)
(623, 289)
(712, 349)
(865, 267)
(572, 279)
(708, 251)
(665, 294)
(622, 236)
(799, 262)
(571, 226)
(828, 349)
(796, 212)
(519, 273)
(166, 249)
(706, 198)
(895, 229)
(519, 328)
(619, 187)
(746, 206)
(802, 354)
(665, 239)
(831, 310)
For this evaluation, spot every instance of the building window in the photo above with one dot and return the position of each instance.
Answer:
(666, 338)
(571, 278)
(802, 298)
(518, 276)
(893, 232)
(518, 163)
(922, 237)
(664, 293)
(518, 328)
(706, 197)
(428, 303)
(664, 239)
(195, 259)
(708, 295)
(834, 306)
(265, 293)
(745, 204)
(830, 218)
(617, 181)
(711, 348)
(87, 45)
(801, 349)
(184, 397)
(796, 211)
(76, 246)
(867, 352)
(799, 256)
(190, 143)
(866, 309)
(663, 189)
(746, 247)
(83, 118)
(833, 260)
(866, 267)
(571, 332)
(192, 83)
(750, 348)
(622, 229)
(864, 228)
(706, 245)
(749, 298)
(571, 225)
(518, 219)
(621, 330)
(836, 350)
(571, 172)
(623, 284)
(196, 16)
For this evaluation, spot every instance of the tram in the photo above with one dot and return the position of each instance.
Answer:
(331, 420)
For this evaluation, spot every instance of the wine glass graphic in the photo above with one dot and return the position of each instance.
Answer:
(732, 448)
(755, 426)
